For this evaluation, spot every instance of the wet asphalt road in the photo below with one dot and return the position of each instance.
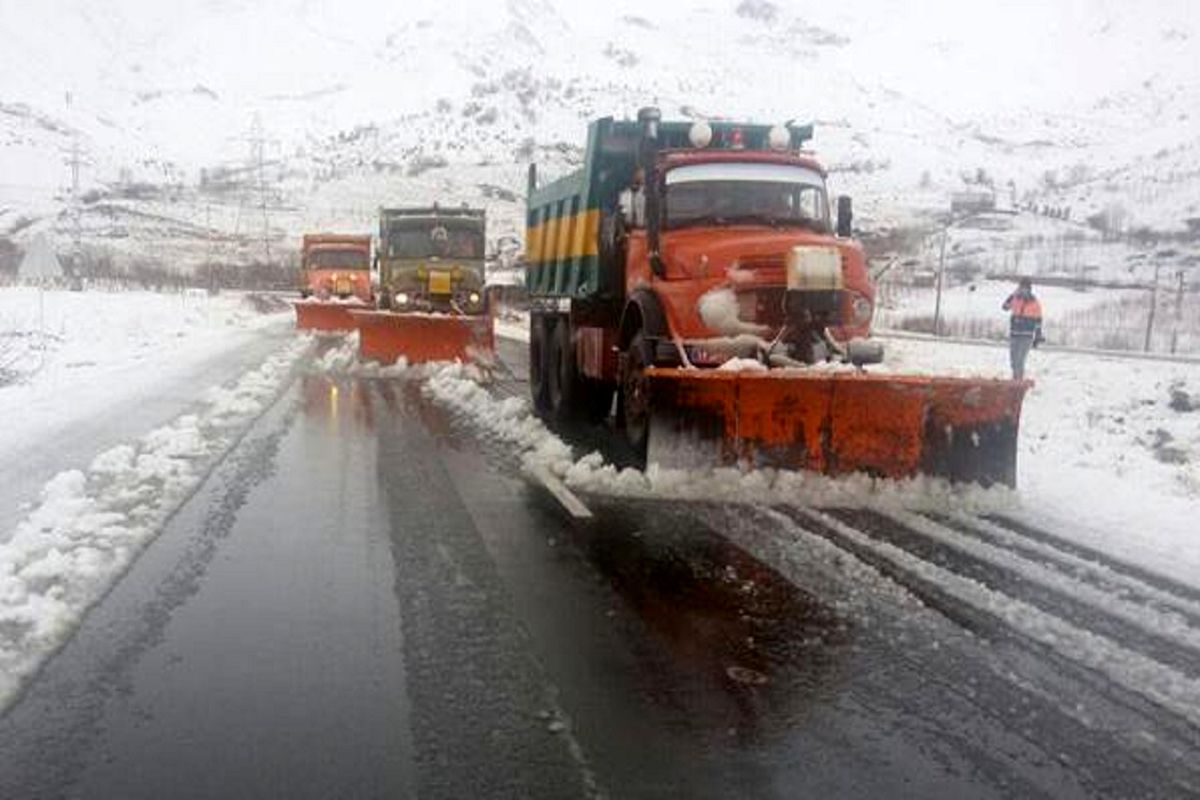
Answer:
(368, 600)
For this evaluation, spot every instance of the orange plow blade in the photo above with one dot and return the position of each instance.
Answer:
(320, 315)
(895, 426)
(386, 337)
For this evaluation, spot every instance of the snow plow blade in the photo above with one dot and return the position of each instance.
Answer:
(318, 315)
(386, 337)
(894, 426)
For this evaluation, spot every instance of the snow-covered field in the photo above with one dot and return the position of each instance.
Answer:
(1108, 449)
(57, 338)
(65, 356)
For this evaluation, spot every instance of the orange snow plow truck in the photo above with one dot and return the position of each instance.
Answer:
(432, 304)
(335, 275)
(692, 269)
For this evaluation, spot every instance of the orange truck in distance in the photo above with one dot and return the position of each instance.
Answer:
(335, 273)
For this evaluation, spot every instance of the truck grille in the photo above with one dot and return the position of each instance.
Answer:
(762, 306)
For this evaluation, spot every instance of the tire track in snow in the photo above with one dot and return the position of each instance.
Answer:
(1164, 635)
(981, 607)
(1089, 554)
(1118, 582)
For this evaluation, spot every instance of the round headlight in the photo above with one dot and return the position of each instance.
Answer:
(779, 138)
(473, 298)
(401, 298)
(861, 309)
(700, 134)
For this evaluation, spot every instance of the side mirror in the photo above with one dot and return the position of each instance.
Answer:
(845, 217)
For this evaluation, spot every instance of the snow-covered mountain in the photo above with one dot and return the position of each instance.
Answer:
(221, 130)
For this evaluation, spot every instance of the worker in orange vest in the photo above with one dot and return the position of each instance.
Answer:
(1024, 325)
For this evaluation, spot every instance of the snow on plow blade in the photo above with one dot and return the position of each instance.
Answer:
(895, 426)
(320, 315)
(386, 336)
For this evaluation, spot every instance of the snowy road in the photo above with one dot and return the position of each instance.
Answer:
(367, 599)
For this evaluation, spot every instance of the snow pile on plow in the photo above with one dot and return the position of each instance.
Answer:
(460, 388)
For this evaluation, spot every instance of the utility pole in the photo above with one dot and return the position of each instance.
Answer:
(208, 252)
(1153, 306)
(937, 305)
(258, 147)
(256, 182)
(1178, 311)
(76, 221)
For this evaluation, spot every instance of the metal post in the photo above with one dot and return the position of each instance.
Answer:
(1178, 311)
(1153, 304)
(937, 305)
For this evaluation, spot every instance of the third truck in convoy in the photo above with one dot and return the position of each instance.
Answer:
(694, 272)
(335, 274)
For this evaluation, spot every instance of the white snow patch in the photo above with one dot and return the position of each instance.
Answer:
(719, 311)
(743, 365)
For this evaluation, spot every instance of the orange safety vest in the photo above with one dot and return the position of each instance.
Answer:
(1026, 315)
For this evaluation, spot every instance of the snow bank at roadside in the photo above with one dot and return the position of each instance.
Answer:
(92, 523)
(1109, 448)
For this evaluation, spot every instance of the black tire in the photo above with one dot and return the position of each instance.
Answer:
(562, 374)
(538, 345)
(596, 399)
(635, 405)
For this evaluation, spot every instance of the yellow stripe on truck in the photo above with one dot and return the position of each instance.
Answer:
(564, 237)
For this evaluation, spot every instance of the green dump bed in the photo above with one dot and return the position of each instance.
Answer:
(562, 225)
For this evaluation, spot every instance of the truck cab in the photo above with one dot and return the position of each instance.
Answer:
(335, 265)
(686, 244)
(431, 259)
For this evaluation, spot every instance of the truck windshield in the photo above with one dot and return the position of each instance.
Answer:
(434, 239)
(741, 193)
(338, 259)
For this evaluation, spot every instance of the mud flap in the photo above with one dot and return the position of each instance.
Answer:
(386, 337)
(317, 315)
(892, 426)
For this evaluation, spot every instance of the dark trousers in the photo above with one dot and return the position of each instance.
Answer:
(1018, 350)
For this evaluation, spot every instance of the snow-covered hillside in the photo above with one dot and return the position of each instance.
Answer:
(212, 127)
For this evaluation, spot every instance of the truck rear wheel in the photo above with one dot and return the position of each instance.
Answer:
(635, 395)
(562, 376)
(538, 341)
